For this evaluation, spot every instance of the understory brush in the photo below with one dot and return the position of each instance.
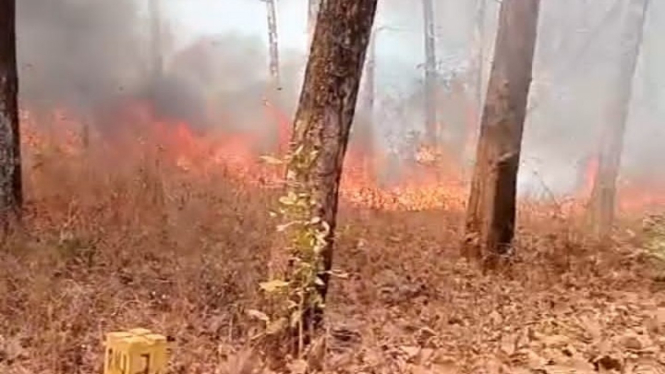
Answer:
(147, 244)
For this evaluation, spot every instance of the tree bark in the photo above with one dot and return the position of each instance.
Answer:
(611, 141)
(325, 114)
(11, 194)
(273, 42)
(365, 132)
(479, 56)
(156, 32)
(431, 129)
(370, 67)
(490, 217)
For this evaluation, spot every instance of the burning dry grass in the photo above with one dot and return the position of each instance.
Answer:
(139, 240)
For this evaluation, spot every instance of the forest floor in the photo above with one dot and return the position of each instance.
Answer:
(184, 259)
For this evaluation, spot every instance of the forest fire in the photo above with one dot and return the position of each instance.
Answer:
(633, 196)
(238, 156)
(433, 182)
(434, 217)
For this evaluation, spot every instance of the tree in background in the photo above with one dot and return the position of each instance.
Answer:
(429, 35)
(490, 216)
(603, 195)
(479, 55)
(362, 137)
(156, 30)
(11, 191)
(301, 270)
(477, 77)
(273, 43)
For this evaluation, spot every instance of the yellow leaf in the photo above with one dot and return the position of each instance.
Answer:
(273, 285)
(258, 315)
(283, 227)
(271, 160)
(296, 316)
(289, 199)
(276, 326)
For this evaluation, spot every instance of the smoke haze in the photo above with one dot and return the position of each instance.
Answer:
(85, 54)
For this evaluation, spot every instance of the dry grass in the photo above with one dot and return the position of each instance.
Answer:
(110, 246)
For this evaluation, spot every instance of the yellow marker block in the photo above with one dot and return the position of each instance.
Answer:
(137, 351)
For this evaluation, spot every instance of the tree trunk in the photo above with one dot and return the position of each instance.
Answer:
(479, 57)
(611, 141)
(323, 120)
(156, 52)
(11, 193)
(474, 109)
(490, 217)
(274, 47)
(429, 35)
(366, 133)
(370, 67)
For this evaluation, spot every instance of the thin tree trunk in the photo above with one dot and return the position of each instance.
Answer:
(11, 189)
(474, 109)
(273, 42)
(429, 35)
(480, 53)
(563, 70)
(367, 132)
(157, 57)
(611, 141)
(324, 117)
(370, 67)
(491, 210)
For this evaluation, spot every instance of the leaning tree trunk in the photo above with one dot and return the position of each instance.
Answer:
(431, 129)
(11, 194)
(611, 142)
(491, 211)
(318, 145)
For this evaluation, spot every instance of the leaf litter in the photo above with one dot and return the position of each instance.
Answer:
(407, 302)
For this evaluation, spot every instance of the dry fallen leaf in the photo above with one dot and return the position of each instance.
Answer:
(410, 351)
(297, 367)
(557, 341)
(608, 362)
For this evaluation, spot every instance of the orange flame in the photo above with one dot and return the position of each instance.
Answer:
(435, 181)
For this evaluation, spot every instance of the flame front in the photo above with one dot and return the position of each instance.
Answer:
(433, 181)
